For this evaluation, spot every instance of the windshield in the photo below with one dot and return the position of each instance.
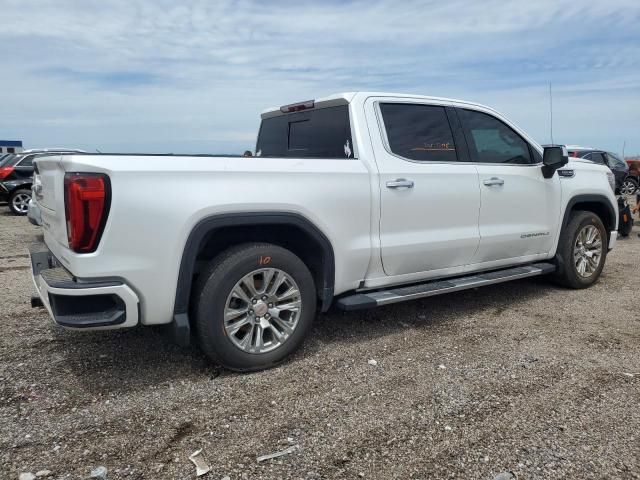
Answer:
(4, 159)
(616, 160)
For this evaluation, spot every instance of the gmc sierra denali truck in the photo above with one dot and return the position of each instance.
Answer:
(354, 200)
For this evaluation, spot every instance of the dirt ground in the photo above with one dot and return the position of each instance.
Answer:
(523, 377)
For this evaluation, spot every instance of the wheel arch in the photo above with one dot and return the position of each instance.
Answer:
(19, 186)
(213, 234)
(598, 204)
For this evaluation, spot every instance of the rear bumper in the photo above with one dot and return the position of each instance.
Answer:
(99, 304)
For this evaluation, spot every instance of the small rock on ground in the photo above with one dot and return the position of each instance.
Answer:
(504, 476)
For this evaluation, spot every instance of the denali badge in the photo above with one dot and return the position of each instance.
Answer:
(538, 234)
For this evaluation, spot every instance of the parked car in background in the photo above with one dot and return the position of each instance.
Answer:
(16, 176)
(624, 184)
(634, 170)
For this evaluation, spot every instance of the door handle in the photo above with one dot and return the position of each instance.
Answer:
(493, 181)
(400, 183)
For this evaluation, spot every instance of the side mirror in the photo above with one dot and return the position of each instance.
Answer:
(554, 157)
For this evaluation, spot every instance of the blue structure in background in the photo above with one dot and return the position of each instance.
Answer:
(10, 146)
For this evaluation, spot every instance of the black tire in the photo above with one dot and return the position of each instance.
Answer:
(567, 273)
(14, 198)
(212, 292)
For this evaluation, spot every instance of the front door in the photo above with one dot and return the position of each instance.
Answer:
(429, 200)
(520, 208)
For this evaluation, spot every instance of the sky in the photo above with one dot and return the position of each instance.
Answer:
(193, 76)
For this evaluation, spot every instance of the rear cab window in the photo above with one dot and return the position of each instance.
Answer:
(317, 133)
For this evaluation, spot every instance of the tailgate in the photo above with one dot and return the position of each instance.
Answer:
(49, 194)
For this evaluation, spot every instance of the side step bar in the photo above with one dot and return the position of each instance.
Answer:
(378, 298)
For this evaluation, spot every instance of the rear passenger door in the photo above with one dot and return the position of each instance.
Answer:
(520, 208)
(429, 196)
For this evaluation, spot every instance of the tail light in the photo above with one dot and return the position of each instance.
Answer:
(5, 172)
(86, 202)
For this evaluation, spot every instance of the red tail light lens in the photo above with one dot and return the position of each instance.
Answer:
(5, 172)
(86, 203)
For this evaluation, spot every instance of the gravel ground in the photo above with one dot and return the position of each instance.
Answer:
(523, 377)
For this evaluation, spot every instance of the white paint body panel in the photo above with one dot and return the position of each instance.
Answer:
(447, 225)
(151, 216)
(526, 204)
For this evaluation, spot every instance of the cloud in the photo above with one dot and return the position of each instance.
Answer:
(194, 75)
(104, 80)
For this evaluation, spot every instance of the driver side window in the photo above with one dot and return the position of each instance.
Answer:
(491, 141)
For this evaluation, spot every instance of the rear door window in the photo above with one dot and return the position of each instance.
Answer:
(418, 132)
(492, 141)
(26, 161)
(321, 133)
(597, 157)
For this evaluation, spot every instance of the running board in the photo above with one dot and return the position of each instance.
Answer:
(378, 298)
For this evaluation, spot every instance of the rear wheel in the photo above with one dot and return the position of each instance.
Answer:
(629, 186)
(254, 306)
(582, 250)
(19, 201)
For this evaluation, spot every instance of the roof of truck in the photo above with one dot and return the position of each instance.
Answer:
(347, 97)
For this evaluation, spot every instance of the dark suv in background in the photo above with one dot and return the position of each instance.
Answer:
(624, 184)
(16, 177)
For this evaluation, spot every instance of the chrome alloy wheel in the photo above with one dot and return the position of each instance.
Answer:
(20, 202)
(587, 251)
(262, 310)
(628, 188)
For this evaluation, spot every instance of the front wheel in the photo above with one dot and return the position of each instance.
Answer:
(19, 201)
(254, 306)
(582, 250)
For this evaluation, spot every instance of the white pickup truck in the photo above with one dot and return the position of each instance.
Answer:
(354, 200)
